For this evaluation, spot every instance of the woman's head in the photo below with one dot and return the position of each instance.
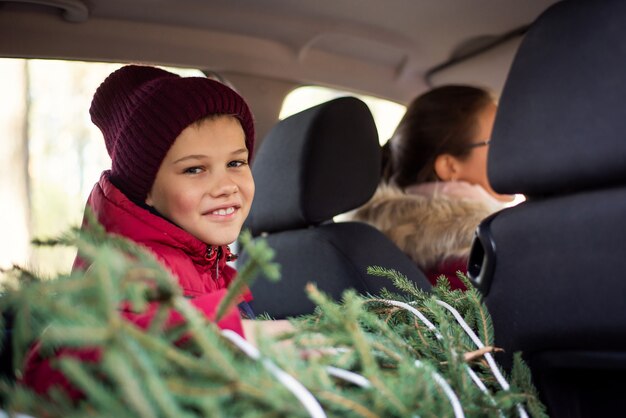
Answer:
(443, 137)
(181, 146)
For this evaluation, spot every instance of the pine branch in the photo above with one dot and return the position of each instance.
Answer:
(96, 392)
(521, 377)
(398, 279)
(259, 261)
(190, 370)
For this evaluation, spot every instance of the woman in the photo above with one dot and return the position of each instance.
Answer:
(435, 189)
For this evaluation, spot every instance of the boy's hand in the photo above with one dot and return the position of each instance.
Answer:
(252, 328)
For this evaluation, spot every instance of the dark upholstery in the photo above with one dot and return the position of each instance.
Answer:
(561, 121)
(551, 268)
(313, 166)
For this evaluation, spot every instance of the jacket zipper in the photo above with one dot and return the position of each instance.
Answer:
(209, 253)
(217, 264)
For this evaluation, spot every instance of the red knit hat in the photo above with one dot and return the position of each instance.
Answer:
(141, 111)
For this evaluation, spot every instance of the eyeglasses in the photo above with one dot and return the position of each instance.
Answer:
(479, 144)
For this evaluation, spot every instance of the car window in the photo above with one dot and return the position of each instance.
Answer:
(53, 154)
(386, 113)
(50, 154)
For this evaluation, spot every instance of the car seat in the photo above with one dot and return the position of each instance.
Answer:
(312, 166)
(551, 268)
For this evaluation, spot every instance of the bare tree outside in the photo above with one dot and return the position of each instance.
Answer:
(14, 180)
(51, 155)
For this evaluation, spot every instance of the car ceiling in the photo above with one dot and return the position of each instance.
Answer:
(390, 48)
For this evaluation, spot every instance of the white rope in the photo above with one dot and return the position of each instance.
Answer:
(490, 360)
(294, 386)
(492, 364)
(361, 381)
(503, 383)
(447, 390)
(314, 408)
(482, 388)
(430, 326)
(454, 400)
(477, 380)
(3, 414)
(415, 312)
(349, 376)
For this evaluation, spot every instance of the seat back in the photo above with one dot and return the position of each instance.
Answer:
(551, 267)
(313, 166)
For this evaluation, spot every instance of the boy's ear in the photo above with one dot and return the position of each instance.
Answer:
(446, 167)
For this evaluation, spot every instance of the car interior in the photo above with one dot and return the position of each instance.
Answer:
(548, 268)
(313, 166)
(267, 49)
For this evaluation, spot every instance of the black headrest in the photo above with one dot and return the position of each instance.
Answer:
(561, 122)
(314, 165)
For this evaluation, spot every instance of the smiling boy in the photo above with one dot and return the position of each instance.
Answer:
(204, 184)
(180, 185)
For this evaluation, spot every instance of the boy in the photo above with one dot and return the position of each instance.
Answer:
(180, 184)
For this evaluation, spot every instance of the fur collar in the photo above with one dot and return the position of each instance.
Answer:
(430, 224)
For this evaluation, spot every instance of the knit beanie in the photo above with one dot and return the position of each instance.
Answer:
(141, 110)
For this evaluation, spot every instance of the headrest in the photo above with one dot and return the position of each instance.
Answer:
(314, 165)
(561, 122)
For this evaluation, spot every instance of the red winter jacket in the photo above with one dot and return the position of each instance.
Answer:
(449, 268)
(201, 270)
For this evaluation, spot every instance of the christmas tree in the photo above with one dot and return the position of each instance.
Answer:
(389, 355)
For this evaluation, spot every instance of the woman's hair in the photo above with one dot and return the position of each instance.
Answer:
(440, 121)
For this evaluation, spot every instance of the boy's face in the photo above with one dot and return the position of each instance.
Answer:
(204, 184)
